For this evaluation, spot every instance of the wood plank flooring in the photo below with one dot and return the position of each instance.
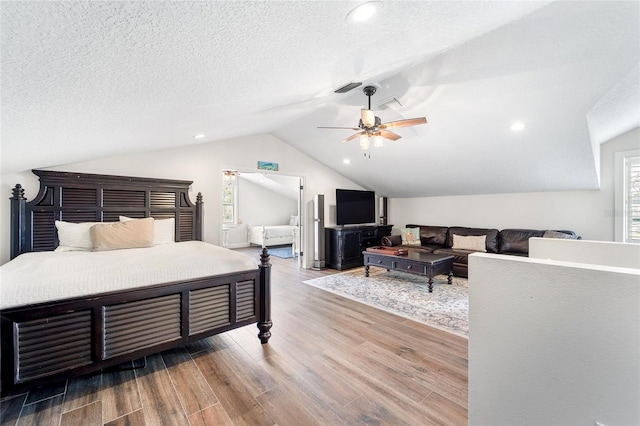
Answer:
(330, 361)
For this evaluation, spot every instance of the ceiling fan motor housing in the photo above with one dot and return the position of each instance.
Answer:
(369, 91)
(373, 128)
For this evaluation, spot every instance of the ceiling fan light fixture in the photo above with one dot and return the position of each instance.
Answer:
(377, 141)
(364, 142)
(363, 12)
(368, 118)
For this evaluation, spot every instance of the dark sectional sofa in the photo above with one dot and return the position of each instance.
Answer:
(439, 240)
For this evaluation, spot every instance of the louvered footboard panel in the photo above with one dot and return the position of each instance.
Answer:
(209, 308)
(245, 300)
(53, 344)
(137, 325)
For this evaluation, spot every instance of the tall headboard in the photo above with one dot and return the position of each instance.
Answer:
(84, 197)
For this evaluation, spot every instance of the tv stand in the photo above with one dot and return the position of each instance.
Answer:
(344, 244)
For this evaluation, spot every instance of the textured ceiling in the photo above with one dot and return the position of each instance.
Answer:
(85, 80)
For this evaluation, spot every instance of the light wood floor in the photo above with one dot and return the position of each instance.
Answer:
(330, 361)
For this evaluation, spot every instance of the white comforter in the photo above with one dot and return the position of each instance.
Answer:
(277, 231)
(44, 276)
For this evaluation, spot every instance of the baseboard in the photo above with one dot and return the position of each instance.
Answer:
(237, 245)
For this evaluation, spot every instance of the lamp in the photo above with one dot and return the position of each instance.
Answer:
(377, 141)
(368, 117)
(364, 142)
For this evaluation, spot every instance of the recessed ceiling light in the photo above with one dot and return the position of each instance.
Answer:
(517, 126)
(363, 12)
(198, 136)
(346, 161)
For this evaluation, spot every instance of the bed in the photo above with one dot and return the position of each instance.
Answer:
(69, 313)
(272, 235)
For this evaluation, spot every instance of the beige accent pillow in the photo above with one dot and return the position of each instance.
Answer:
(122, 235)
(470, 242)
(163, 230)
(74, 236)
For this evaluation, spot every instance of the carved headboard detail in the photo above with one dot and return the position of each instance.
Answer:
(84, 197)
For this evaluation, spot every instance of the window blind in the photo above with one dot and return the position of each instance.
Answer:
(632, 195)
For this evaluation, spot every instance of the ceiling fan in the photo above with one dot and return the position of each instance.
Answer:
(371, 126)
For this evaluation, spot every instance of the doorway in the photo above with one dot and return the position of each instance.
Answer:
(263, 208)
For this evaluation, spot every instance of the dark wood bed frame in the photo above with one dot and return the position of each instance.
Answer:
(47, 342)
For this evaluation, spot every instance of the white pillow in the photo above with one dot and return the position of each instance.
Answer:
(74, 236)
(470, 242)
(410, 236)
(293, 221)
(163, 230)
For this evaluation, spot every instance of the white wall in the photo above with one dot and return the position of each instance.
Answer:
(589, 213)
(552, 342)
(203, 164)
(607, 253)
(259, 206)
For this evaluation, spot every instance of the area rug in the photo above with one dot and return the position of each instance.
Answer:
(283, 252)
(407, 295)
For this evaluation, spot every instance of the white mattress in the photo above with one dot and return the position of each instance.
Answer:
(44, 276)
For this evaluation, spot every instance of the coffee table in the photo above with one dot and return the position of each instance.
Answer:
(414, 262)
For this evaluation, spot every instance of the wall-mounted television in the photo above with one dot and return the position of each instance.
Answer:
(355, 207)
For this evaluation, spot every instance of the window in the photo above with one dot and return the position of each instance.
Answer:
(229, 197)
(628, 196)
(632, 193)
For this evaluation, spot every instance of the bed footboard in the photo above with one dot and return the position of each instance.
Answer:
(58, 340)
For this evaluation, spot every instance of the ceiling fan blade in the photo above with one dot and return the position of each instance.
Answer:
(368, 118)
(403, 123)
(352, 137)
(389, 135)
(347, 128)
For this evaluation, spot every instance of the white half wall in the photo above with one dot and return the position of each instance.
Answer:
(589, 213)
(606, 253)
(552, 343)
(202, 163)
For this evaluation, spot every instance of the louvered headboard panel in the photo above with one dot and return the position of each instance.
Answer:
(84, 197)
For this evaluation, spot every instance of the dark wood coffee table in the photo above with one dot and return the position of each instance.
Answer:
(414, 262)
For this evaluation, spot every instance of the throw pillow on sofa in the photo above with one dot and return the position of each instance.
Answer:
(410, 236)
(558, 234)
(470, 242)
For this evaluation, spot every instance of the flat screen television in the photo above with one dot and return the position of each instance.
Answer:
(354, 207)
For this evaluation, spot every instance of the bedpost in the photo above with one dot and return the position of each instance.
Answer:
(264, 322)
(199, 216)
(18, 221)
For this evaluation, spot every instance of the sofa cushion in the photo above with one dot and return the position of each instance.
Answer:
(459, 256)
(517, 240)
(491, 236)
(433, 235)
(429, 247)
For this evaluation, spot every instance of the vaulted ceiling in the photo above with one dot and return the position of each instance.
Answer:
(86, 80)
